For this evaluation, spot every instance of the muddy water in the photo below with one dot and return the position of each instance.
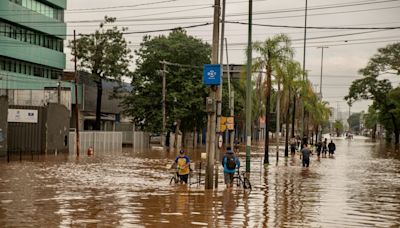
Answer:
(359, 187)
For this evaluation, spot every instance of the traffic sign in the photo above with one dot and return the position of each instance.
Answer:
(212, 74)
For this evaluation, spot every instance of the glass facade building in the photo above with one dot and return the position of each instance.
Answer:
(32, 34)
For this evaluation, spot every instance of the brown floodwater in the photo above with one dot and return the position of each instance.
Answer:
(359, 187)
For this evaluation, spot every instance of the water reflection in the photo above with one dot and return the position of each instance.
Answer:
(360, 187)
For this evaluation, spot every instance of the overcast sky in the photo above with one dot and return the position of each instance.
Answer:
(343, 58)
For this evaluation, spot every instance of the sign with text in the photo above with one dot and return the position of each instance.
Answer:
(22, 116)
(212, 74)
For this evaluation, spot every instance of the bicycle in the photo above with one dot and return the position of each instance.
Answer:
(174, 179)
(242, 180)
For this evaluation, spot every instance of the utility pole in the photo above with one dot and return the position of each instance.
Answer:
(219, 95)
(304, 69)
(248, 89)
(211, 124)
(230, 94)
(164, 91)
(76, 101)
(322, 64)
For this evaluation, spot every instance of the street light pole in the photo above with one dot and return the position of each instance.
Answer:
(304, 69)
(322, 64)
(230, 94)
(248, 89)
(164, 91)
(76, 101)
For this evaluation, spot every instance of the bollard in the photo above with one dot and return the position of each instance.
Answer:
(90, 151)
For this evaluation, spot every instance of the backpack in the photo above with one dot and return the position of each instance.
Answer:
(230, 162)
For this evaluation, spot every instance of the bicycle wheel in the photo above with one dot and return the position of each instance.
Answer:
(246, 183)
(172, 180)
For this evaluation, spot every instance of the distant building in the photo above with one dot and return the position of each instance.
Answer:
(111, 111)
(32, 60)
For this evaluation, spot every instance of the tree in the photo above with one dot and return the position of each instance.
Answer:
(338, 126)
(289, 74)
(272, 53)
(381, 91)
(105, 55)
(185, 97)
(371, 120)
(354, 122)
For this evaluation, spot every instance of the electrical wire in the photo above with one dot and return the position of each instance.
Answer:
(232, 15)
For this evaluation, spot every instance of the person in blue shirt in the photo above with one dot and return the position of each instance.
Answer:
(230, 162)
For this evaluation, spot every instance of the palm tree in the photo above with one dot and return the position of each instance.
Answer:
(272, 53)
(289, 74)
(316, 110)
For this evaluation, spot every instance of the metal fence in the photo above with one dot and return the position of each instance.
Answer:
(100, 141)
(140, 140)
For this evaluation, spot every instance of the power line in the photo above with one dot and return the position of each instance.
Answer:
(238, 14)
(313, 27)
(329, 13)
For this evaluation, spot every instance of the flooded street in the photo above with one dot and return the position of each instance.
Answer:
(359, 187)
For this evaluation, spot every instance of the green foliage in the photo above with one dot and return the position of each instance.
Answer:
(371, 118)
(185, 99)
(105, 55)
(386, 98)
(354, 122)
(338, 126)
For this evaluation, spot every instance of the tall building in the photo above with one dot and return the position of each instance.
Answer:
(32, 33)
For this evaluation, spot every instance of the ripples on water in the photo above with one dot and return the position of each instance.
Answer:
(359, 187)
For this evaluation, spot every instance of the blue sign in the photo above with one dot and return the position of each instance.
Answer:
(212, 74)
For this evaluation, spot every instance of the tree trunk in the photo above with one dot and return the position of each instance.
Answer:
(396, 129)
(293, 114)
(176, 145)
(287, 127)
(97, 125)
(267, 115)
(373, 136)
(195, 137)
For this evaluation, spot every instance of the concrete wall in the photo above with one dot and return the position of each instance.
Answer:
(3, 125)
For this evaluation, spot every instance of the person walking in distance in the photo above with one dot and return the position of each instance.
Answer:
(305, 154)
(324, 147)
(293, 145)
(331, 148)
(230, 162)
(319, 148)
(182, 163)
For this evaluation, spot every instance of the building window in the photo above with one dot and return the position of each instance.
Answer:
(29, 36)
(26, 68)
(41, 8)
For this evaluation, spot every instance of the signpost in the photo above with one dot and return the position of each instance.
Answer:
(212, 74)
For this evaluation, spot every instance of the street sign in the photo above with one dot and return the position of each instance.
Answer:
(230, 123)
(212, 74)
(227, 123)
